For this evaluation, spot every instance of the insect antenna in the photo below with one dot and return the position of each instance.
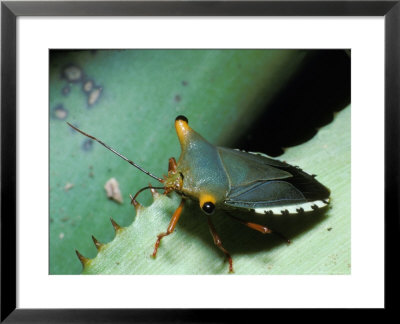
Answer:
(115, 152)
(148, 187)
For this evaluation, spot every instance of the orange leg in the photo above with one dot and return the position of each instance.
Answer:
(171, 170)
(172, 164)
(171, 226)
(261, 228)
(218, 243)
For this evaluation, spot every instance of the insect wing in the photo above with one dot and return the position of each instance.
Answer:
(270, 186)
(245, 169)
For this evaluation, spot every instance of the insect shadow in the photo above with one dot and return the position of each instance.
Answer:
(238, 238)
(308, 102)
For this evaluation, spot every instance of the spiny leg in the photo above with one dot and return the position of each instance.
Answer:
(171, 226)
(218, 243)
(258, 227)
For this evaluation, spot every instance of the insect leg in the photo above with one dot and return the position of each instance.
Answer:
(258, 227)
(171, 170)
(218, 243)
(172, 164)
(171, 226)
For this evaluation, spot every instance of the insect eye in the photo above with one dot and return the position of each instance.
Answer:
(208, 207)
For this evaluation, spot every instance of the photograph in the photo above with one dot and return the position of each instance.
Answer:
(200, 161)
(186, 154)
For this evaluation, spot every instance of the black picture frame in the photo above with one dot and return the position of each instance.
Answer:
(10, 10)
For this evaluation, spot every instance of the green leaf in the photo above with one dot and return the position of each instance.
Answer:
(321, 241)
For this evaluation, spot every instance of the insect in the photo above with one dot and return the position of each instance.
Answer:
(231, 180)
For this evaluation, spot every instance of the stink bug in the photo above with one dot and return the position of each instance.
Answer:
(231, 180)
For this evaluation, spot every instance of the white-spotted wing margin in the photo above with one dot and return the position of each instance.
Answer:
(293, 209)
(290, 209)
